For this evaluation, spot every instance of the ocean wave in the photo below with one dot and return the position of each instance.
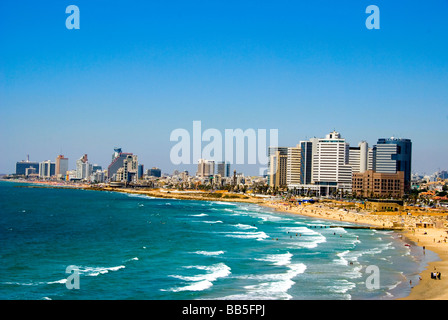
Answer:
(200, 215)
(248, 235)
(202, 281)
(95, 271)
(274, 285)
(198, 286)
(223, 203)
(245, 226)
(209, 253)
(308, 238)
(277, 259)
(210, 222)
(141, 196)
(341, 286)
(132, 259)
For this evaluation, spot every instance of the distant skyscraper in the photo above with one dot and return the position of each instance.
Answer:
(140, 171)
(47, 169)
(359, 157)
(26, 164)
(117, 162)
(154, 172)
(278, 164)
(206, 168)
(275, 164)
(61, 165)
(129, 171)
(293, 166)
(331, 168)
(306, 162)
(83, 168)
(223, 169)
(393, 155)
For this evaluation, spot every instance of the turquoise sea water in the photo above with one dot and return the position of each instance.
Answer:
(136, 247)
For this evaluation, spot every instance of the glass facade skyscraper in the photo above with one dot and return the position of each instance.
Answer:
(393, 155)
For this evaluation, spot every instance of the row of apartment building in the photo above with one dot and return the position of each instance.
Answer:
(328, 165)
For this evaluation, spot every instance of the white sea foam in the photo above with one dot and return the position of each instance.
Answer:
(209, 253)
(308, 238)
(141, 196)
(211, 222)
(132, 259)
(274, 285)
(278, 259)
(197, 286)
(202, 281)
(200, 215)
(245, 226)
(95, 271)
(224, 203)
(248, 235)
(62, 281)
(342, 286)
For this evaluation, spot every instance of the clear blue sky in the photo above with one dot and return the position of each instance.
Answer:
(136, 70)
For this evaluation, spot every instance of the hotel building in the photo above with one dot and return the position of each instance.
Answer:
(378, 185)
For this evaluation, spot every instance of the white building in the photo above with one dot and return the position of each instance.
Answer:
(359, 157)
(83, 168)
(331, 168)
(46, 169)
(206, 168)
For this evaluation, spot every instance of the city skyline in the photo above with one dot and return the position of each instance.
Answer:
(192, 168)
(135, 72)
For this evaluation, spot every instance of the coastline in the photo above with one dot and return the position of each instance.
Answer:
(426, 289)
(428, 238)
(433, 239)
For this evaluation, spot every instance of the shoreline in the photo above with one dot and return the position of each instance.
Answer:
(426, 288)
(433, 239)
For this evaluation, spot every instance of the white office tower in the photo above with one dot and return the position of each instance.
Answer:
(331, 168)
(359, 157)
(293, 166)
(83, 168)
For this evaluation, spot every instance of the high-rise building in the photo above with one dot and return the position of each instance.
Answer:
(118, 158)
(306, 162)
(331, 168)
(47, 169)
(26, 164)
(273, 154)
(140, 171)
(359, 157)
(223, 169)
(206, 168)
(61, 166)
(278, 162)
(129, 171)
(293, 166)
(393, 155)
(154, 172)
(83, 168)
